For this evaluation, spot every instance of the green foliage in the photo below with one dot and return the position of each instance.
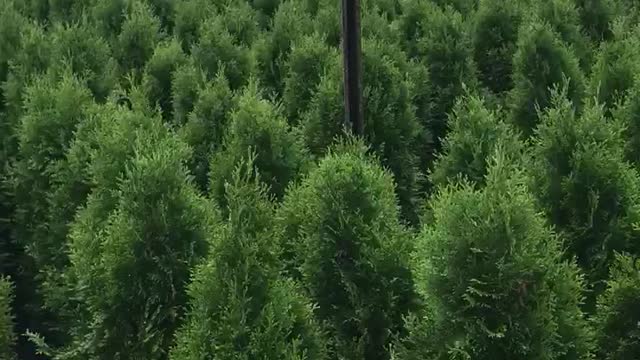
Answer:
(541, 63)
(186, 83)
(188, 16)
(494, 42)
(342, 237)
(7, 335)
(206, 125)
(138, 38)
(618, 315)
(475, 133)
(239, 309)
(493, 277)
(166, 58)
(596, 17)
(216, 50)
(583, 183)
(615, 69)
(132, 249)
(257, 125)
(627, 113)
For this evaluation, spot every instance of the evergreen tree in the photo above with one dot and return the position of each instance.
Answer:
(186, 83)
(239, 306)
(342, 238)
(596, 17)
(615, 69)
(618, 315)
(494, 42)
(541, 62)
(475, 133)
(138, 38)
(257, 125)
(7, 335)
(206, 125)
(166, 58)
(133, 245)
(188, 17)
(627, 113)
(493, 279)
(587, 189)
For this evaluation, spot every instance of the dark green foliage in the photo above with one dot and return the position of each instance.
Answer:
(206, 126)
(618, 315)
(138, 38)
(627, 113)
(189, 15)
(257, 125)
(564, 19)
(615, 68)
(493, 277)
(7, 335)
(441, 39)
(167, 57)
(239, 309)
(587, 189)
(309, 60)
(343, 239)
(475, 133)
(541, 63)
(494, 42)
(216, 50)
(596, 17)
(108, 17)
(11, 23)
(132, 249)
(271, 51)
(187, 81)
(87, 54)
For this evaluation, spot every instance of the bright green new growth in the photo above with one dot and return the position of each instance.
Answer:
(541, 63)
(492, 275)
(474, 134)
(240, 308)
(257, 125)
(7, 335)
(342, 238)
(584, 185)
(618, 315)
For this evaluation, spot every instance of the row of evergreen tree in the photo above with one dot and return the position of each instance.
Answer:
(177, 183)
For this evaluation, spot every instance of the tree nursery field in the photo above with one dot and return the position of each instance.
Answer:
(177, 181)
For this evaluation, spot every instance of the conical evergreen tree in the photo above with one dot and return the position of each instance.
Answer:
(159, 70)
(240, 307)
(257, 125)
(342, 238)
(587, 189)
(493, 278)
(138, 38)
(475, 132)
(618, 315)
(541, 62)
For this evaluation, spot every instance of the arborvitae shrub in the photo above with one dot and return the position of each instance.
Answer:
(87, 54)
(189, 15)
(108, 17)
(616, 320)
(164, 10)
(564, 18)
(492, 275)
(206, 125)
(587, 189)
(216, 49)
(257, 125)
(11, 23)
(596, 17)
(307, 63)
(53, 110)
(138, 38)
(239, 306)
(627, 113)
(166, 58)
(615, 68)
(186, 83)
(447, 52)
(271, 50)
(240, 20)
(327, 22)
(495, 35)
(342, 237)
(541, 62)
(475, 132)
(132, 249)
(7, 335)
